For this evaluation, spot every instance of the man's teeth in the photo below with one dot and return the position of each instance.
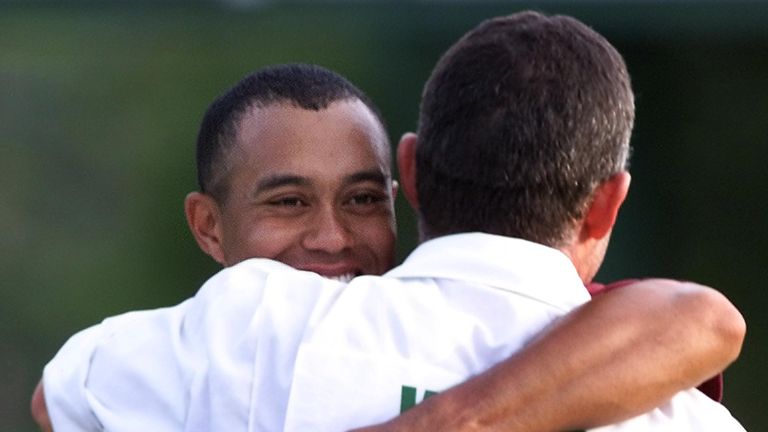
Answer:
(342, 278)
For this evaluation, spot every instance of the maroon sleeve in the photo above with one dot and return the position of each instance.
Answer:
(713, 387)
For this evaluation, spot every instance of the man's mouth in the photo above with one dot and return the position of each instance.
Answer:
(342, 272)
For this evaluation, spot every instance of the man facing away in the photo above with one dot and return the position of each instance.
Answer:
(282, 202)
(517, 175)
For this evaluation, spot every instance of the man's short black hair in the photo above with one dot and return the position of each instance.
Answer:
(305, 86)
(520, 120)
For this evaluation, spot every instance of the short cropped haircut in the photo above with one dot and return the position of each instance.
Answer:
(305, 86)
(520, 120)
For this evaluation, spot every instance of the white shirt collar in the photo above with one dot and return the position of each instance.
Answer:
(511, 264)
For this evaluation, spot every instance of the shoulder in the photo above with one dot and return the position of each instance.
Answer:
(713, 387)
(69, 377)
(241, 291)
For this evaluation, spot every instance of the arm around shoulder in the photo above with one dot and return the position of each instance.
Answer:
(712, 322)
(621, 354)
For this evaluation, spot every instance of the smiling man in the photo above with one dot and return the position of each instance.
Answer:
(311, 188)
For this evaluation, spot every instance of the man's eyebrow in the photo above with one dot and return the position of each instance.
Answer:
(373, 175)
(279, 180)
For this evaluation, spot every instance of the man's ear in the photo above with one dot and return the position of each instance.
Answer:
(406, 165)
(606, 201)
(204, 220)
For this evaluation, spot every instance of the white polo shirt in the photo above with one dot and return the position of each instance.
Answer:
(264, 348)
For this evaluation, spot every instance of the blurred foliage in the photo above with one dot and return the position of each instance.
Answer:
(100, 105)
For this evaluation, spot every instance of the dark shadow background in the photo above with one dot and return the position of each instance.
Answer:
(100, 103)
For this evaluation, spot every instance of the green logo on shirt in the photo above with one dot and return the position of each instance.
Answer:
(408, 397)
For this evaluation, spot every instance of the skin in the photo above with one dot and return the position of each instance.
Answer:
(329, 211)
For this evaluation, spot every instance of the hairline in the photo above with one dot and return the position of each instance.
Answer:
(231, 140)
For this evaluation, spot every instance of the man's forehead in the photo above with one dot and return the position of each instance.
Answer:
(290, 123)
(281, 145)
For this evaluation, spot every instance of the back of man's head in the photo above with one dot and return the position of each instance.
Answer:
(304, 86)
(519, 122)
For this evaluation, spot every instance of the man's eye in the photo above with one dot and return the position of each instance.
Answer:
(363, 199)
(366, 199)
(287, 202)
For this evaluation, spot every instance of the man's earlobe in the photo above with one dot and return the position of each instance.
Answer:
(406, 165)
(606, 201)
(203, 219)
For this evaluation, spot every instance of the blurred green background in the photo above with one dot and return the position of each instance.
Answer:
(100, 103)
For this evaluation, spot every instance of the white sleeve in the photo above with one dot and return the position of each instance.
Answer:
(64, 383)
(140, 372)
(197, 366)
(126, 372)
(158, 370)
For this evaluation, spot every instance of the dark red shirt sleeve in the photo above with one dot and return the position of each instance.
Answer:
(713, 387)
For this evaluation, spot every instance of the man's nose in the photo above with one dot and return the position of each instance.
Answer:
(328, 232)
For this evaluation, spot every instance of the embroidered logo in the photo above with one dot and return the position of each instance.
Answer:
(410, 396)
